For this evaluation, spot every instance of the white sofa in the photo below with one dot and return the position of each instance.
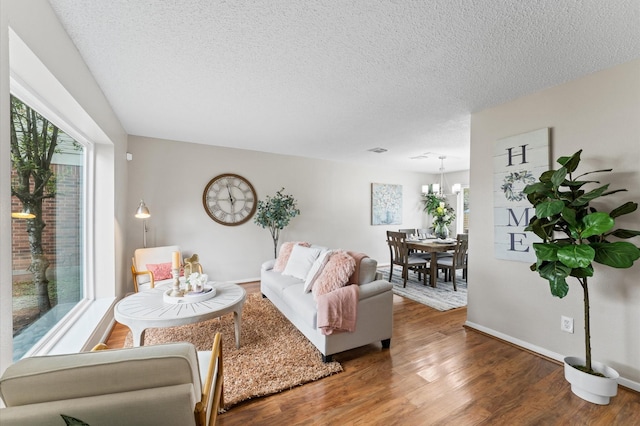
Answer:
(149, 385)
(374, 312)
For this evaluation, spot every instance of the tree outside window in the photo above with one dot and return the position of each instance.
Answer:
(47, 199)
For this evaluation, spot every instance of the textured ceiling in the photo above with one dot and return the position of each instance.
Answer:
(332, 79)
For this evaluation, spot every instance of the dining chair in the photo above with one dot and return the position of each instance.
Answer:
(411, 231)
(399, 253)
(423, 231)
(408, 233)
(457, 261)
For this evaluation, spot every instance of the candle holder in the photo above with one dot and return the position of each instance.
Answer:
(175, 291)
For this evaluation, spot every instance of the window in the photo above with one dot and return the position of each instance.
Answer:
(465, 209)
(32, 82)
(48, 199)
(462, 213)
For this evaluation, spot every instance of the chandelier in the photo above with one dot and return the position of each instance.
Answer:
(437, 188)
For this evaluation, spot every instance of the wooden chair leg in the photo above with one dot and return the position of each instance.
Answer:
(391, 272)
(453, 279)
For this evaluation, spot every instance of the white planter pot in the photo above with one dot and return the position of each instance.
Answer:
(597, 390)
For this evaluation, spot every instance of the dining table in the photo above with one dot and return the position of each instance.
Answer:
(433, 246)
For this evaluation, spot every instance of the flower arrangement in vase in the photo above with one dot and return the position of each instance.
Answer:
(443, 214)
(196, 281)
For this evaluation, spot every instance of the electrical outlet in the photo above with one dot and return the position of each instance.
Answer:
(566, 324)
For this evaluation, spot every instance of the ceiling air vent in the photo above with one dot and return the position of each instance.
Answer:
(378, 150)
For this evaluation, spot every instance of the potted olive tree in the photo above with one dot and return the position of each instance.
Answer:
(275, 213)
(574, 235)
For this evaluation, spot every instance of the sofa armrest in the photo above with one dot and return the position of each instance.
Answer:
(268, 265)
(373, 288)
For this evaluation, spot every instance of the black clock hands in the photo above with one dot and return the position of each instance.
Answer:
(232, 201)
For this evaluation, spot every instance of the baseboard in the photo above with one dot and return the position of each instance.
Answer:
(245, 280)
(627, 383)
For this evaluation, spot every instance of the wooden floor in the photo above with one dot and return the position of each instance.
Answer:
(437, 372)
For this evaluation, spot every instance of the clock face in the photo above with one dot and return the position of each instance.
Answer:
(229, 199)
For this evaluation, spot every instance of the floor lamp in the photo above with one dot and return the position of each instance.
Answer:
(143, 213)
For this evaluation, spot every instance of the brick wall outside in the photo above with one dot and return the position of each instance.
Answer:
(62, 235)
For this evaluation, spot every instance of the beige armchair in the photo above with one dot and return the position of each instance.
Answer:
(143, 277)
(148, 385)
(151, 267)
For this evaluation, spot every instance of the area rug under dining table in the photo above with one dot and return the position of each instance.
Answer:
(273, 355)
(442, 297)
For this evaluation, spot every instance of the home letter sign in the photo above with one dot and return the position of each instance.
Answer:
(518, 161)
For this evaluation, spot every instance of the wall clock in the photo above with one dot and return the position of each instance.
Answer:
(229, 199)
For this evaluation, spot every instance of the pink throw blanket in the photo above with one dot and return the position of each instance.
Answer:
(337, 310)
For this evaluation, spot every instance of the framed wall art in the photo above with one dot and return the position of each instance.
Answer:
(517, 162)
(386, 204)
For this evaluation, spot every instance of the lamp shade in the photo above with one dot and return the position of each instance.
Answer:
(435, 188)
(143, 211)
(456, 188)
(24, 214)
(425, 189)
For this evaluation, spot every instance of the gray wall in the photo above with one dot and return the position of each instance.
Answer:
(334, 199)
(601, 114)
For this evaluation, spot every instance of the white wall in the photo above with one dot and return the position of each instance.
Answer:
(334, 199)
(599, 113)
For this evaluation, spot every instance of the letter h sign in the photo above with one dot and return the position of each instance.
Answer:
(518, 161)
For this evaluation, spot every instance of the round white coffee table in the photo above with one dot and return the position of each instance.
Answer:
(147, 309)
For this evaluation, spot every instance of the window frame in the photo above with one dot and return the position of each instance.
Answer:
(31, 80)
(460, 209)
(27, 95)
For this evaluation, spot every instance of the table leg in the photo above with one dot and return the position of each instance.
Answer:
(434, 269)
(237, 321)
(137, 335)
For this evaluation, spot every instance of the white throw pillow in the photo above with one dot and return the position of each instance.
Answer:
(300, 261)
(316, 269)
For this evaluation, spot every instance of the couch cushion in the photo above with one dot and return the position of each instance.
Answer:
(368, 269)
(303, 304)
(277, 282)
(168, 405)
(54, 377)
(335, 273)
(284, 253)
(301, 261)
(316, 269)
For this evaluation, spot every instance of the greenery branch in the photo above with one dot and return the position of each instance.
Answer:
(275, 213)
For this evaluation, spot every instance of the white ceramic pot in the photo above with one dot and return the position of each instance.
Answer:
(597, 390)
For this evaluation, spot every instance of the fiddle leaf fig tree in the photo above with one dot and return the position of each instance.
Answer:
(574, 234)
(275, 213)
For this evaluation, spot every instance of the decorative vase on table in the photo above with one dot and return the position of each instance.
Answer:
(441, 230)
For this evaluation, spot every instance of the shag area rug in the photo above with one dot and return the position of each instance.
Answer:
(273, 355)
(441, 298)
